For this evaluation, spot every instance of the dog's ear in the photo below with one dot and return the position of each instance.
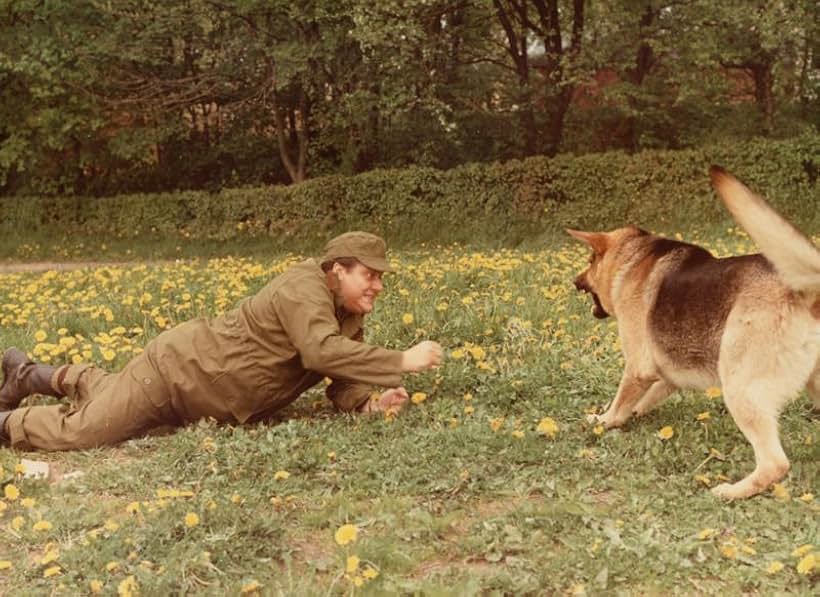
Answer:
(597, 240)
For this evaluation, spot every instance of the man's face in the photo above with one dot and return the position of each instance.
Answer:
(358, 286)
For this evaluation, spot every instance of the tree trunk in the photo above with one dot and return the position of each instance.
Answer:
(517, 49)
(644, 59)
(764, 93)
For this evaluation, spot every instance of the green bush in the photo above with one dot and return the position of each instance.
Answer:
(502, 201)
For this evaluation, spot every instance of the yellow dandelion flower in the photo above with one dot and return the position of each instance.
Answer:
(704, 416)
(703, 479)
(468, 410)
(237, 499)
(19, 468)
(496, 423)
(108, 354)
(458, 353)
(418, 397)
(112, 566)
(42, 525)
(346, 534)
(95, 586)
(748, 550)
(547, 426)
(352, 563)
(11, 492)
(331, 455)
(250, 587)
(713, 392)
(706, 534)
(133, 508)
(5, 565)
(517, 434)
(598, 429)
(468, 397)
(17, 522)
(281, 475)
(51, 571)
(807, 497)
(27, 502)
(666, 433)
(477, 353)
(191, 519)
(780, 492)
(370, 573)
(774, 567)
(802, 550)
(407, 318)
(127, 587)
(40, 335)
(111, 525)
(728, 551)
(51, 555)
(807, 564)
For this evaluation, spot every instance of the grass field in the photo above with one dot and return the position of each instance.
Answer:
(490, 482)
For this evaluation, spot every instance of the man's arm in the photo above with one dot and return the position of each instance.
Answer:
(310, 323)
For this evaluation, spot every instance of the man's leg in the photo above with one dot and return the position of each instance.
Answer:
(106, 409)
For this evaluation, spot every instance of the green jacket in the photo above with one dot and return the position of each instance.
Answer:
(262, 355)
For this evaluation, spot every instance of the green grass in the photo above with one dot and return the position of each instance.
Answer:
(446, 501)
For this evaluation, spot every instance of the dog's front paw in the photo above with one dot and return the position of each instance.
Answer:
(724, 491)
(593, 419)
(607, 421)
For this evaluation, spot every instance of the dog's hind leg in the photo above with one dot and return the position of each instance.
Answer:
(755, 410)
(658, 393)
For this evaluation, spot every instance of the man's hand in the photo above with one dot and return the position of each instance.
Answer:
(423, 355)
(390, 400)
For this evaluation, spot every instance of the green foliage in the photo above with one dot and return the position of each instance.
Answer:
(472, 203)
(101, 98)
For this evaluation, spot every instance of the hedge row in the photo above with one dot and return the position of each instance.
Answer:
(655, 189)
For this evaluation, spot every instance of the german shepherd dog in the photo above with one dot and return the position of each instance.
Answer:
(749, 324)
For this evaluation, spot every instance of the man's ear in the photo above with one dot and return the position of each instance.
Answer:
(598, 241)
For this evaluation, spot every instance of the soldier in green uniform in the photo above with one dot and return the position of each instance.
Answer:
(304, 325)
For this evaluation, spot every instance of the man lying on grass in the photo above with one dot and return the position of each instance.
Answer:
(242, 366)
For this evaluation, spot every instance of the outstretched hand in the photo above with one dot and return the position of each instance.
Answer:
(423, 355)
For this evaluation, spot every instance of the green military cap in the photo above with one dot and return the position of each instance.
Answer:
(368, 248)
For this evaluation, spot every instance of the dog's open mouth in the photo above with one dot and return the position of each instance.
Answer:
(598, 310)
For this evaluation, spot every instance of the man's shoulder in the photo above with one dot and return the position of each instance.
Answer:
(301, 280)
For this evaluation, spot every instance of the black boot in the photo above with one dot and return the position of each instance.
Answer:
(23, 377)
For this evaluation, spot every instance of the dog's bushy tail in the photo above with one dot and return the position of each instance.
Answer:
(793, 255)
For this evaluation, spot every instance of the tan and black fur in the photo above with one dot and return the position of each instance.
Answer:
(749, 324)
